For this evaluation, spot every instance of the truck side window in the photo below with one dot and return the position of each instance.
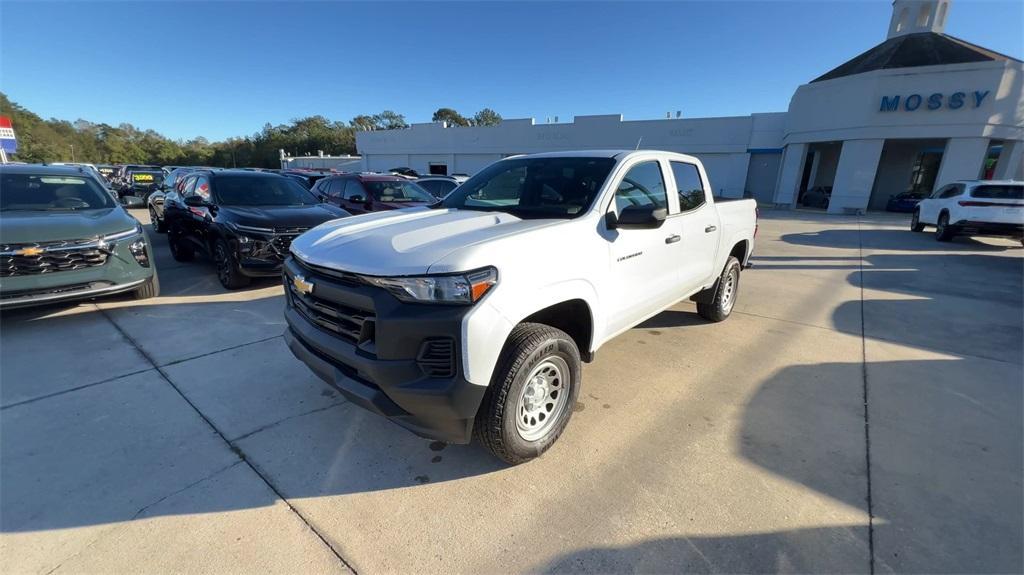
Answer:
(689, 186)
(643, 185)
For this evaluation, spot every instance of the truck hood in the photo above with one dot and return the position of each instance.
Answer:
(403, 242)
(24, 227)
(281, 216)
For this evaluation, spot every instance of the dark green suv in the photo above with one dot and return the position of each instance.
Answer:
(62, 236)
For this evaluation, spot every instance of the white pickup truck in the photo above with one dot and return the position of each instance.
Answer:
(473, 316)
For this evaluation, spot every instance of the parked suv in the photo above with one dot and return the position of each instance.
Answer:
(973, 207)
(141, 182)
(362, 193)
(244, 221)
(64, 237)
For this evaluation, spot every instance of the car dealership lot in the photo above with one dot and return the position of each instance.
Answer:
(180, 434)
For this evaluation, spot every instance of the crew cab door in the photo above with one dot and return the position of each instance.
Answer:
(698, 226)
(642, 274)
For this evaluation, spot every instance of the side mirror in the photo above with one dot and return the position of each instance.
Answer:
(196, 202)
(356, 199)
(637, 217)
(132, 201)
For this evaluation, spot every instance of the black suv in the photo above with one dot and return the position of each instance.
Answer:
(244, 221)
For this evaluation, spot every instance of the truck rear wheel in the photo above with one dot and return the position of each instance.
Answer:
(726, 291)
(532, 393)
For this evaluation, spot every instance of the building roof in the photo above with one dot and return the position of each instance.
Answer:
(912, 50)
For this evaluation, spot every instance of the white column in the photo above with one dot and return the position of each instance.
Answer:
(790, 173)
(961, 160)
(855, 175)
(1009, 162)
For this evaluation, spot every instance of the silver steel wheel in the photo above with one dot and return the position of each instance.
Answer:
(729, 290)
(544, 398)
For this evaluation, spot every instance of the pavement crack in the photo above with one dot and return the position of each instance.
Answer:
(234, 448)
(867, 418)
(72, 389)
(186, 488)
(209, 353)
(290, 417)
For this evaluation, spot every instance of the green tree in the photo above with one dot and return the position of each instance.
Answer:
(486, 117)
(389, 120)
(450, 116)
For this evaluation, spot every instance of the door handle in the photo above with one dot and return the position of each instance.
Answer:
(672, 239)
(710, 229)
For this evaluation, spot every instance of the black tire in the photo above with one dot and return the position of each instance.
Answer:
(148, 289)
(530, 348)
(180, 250)
(159, 226)
(228, 272)
(915, 222)
(727, 289)
(943, 231)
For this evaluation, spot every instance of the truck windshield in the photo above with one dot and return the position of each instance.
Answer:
(534, 187)
(41, 192)
(261, 191)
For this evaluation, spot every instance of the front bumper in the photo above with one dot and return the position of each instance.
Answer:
(382, 354)
(66, 293)
(120, 272)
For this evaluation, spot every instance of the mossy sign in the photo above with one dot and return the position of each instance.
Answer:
(913, 102)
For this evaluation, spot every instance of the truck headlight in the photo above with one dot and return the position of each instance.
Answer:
(466, 288)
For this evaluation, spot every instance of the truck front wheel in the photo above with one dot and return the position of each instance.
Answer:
(532, 393)
(726, 290)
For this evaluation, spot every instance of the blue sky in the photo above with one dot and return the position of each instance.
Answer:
(224, 69)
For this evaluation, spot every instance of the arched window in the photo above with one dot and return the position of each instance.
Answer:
(922, 16)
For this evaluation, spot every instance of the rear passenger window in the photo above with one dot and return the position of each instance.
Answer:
(688, 186)
(951, 191)
(643, 185)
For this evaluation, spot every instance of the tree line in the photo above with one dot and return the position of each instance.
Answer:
(56, 140)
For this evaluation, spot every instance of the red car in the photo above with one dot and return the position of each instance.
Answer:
(362, 193)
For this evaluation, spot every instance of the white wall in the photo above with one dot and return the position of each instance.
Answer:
(721, 143)
(855, 175)
(848, 108)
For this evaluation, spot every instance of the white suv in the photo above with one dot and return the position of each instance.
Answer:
(973, 207)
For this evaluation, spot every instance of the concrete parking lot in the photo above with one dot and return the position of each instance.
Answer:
(861, 410)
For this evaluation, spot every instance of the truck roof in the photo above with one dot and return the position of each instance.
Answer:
(602, 154)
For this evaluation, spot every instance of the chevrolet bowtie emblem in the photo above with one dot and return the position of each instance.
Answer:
(29, 251)
(301, 285)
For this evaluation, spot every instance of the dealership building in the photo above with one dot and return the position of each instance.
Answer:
(917, 111)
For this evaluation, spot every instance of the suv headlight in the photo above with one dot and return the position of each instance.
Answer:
(466, 288)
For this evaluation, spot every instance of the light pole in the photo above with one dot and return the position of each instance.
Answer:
(72, 152)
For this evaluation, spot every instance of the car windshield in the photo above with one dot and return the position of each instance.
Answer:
(534, 187)
(261, 191)
(35, 192)
(398, 191)
(144, 179)
(996, 192)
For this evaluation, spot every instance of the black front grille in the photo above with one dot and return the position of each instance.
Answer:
(341, 277)
(437, 357)
(55, 257)
(352, 324)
